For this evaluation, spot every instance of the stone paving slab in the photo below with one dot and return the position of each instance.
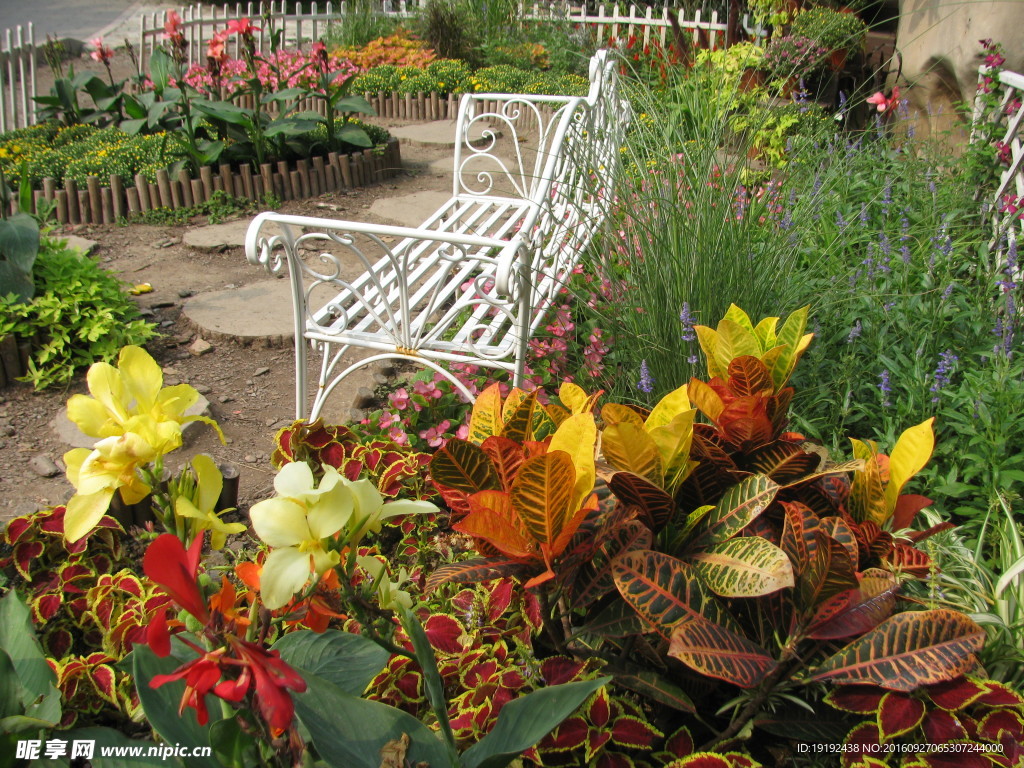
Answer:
(258, 312)
(409, 210)
(69, 433)
(230, 234)
(440, 133)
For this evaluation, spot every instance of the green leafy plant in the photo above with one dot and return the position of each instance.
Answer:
(19, 245)
(831, 29)
(79, 314)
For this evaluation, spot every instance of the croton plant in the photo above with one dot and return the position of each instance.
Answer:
(576, 583)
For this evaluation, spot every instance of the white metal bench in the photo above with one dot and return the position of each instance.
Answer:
(473, 282)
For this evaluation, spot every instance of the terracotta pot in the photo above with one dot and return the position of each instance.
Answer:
(751, 79)
(837, 60)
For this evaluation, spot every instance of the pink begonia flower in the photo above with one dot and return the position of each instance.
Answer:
(462, 433)
(397, 435)
(435, 435)
(101, 52)
(427, 389)
(387, 419)
(172, 26)
(399, 399)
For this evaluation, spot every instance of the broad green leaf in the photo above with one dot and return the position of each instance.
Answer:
(907, 650)
(908, 457)
(663, 590)
(19, 245)
(764, 331)
(348, 732)
(18, 640)
(290, 126)
(736, 315)
(740, 505)
(734, 340)
(222, 110)
(577, 436)
(668, 408)
(354, 135)
(526, 720)
(746, 566)
(11, 696)
(233, 747)
(161, 705)
(353, 104)
(714, 651)
(346, 660)
(795, 342)
(160, 67)
(115, 740)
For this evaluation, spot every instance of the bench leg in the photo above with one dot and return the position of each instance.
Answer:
(301, 355)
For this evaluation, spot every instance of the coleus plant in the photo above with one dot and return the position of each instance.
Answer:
(731, 554)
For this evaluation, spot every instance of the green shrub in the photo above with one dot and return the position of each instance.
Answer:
(499, 79)
(79, 315)
(834, 30)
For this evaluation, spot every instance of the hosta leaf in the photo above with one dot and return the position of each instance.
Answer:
(463, 466)
(629, 448)
(907, 651)
(746, 566)
(741, 503)
(663, 590)
(908, 457)
(486, 417)
(655, 504)
(898, 714)
(716, 652)
(542, 495)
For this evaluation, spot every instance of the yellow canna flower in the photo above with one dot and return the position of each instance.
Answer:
(389, 596)
(200, 509)
(132, 398)
(111, 466)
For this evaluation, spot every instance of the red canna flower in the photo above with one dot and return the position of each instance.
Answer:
(172, 27)
(200, 676)
(242, 27)
(176, 569)
(273, 679)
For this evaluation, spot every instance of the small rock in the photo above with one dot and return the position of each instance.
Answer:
(200, 347)
(172, 381)
(249, 459)
(7, 431)
(166, 323)
(282, 423)
(146, 312)
(186, 293)
(169, 371)
(162, 304)
(43, 466)
(228, 440)
(225, 398)
(249, 382)
(270, 422)
(261, 371)
(202, 389)
(356, 415)
(380, 378)
(363, 398)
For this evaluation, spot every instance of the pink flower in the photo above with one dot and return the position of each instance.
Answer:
(172, 27)
(882, 103)
(398, 436)
(387, 419)
(242, 27)
(435, 435)
(399, 399)
(215, 49)
(101, 52)
(428, 389)
(462, 433)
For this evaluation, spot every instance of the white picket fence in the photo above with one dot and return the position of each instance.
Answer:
(17, 78)
(1006, 206)
(619, 22)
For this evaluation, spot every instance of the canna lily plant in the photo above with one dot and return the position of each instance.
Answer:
(137, 421)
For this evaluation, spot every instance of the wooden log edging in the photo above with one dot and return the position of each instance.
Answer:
(97, 204)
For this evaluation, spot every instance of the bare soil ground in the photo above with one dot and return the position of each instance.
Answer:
(250, 389)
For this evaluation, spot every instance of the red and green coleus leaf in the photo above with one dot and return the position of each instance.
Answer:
(907, 651)
(745, 566)
(741, 504)
(662, 590)
(898, 714)
(954, 695)
(862, 740)
(716, 652)
(634, 732)
(1001, 723)
(713, 760)
(940, 726)
(856, 699)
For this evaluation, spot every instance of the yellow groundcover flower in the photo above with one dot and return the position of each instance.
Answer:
(112, 465)
(132, 398)
(302, 519)
(201, 510)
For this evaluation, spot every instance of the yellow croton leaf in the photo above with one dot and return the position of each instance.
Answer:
(867, 495)
(908, 457)
(577, 436)
(485, 420)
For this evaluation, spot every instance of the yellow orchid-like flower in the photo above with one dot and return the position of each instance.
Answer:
(296, 524)
(369, 509)
(389, 596)
(111, 466)
(200, 505)
(132, 398)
